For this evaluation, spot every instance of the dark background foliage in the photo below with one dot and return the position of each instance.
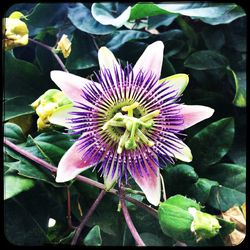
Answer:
(207, 41)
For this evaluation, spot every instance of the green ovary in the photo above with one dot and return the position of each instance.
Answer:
(129, 127)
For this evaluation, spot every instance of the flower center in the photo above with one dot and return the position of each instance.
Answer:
(133, 127)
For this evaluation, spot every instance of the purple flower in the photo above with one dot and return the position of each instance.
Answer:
(127, 121)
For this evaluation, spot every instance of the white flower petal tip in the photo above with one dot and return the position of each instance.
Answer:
(179, 82)
(70, 84)
(106, 58)
(151, 59)
(186, 154)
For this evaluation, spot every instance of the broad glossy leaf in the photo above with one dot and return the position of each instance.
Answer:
(54, 13)
(93, 238)
(210, 10)
(227, 227)
(83, 54)
(181, 173)
(22, 78)
(15, 107)
(212, 143)
(229, 175)
(161, 20)
(107, 14)
(122, 36)
(82, 19)
(14, 133)
(26, 218)
(226, 18)
(152, 239)
(206, 59)
(213, 38)
(201, 189)
(223, 198)
(142, 10)
(14, 185)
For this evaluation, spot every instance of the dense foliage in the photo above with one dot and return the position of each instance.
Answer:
(207, 41)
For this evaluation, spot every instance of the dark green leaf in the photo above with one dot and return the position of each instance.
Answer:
(223, 198)
(212, 143)
(14, 185)
(201, 189)
(206, 59)
(227, 227)
(226, 18)
(84, 53)
(228, 175)
(14, 133)
(54, 13)
(83, 20)
(181, 173)
(211, 10)
(122, 36)
(93, 238)
(15, 107)
(151, 239)
(214, 38)
(22, 78)
(161, 20)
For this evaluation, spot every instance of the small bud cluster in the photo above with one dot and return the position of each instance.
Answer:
(46, 104)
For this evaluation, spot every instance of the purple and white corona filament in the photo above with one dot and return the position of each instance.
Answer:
(127, 120)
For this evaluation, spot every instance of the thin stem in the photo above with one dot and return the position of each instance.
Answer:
(86, 218)
(135, 234)
(79, 177)
(69, 209)
(53, 53)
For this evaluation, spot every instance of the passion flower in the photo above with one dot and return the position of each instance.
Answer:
(127, 120)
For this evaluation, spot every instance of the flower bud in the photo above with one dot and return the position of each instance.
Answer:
(204, 225)
(15, 31)
(47, 104)
(64, 46)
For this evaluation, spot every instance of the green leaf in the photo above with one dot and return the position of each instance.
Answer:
(226, 18)
(93, 238)
(14, 185)
(161, 20)
(122, 36)
(211, 10)
(181, 173)
(14, 133)
(151, 239)
(239, 80)
(82, 19)
(223, 198)
(213, 38)
(212, 143)
(22, 78)
(107, 14)
(206, 59)
(227, 227)
(141, 10)
(229, 175)
(46, 14)
(84, 53)
(16, 107)
(201, 189)
(26, 218)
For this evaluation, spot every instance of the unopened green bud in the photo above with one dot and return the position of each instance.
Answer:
(64, 46)
(204, 225)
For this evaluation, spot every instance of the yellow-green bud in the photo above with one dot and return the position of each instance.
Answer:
(64, 46)
(204, 225)
(15, 31)
(47, 104)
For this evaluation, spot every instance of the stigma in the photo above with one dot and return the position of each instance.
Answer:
(135, 128)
